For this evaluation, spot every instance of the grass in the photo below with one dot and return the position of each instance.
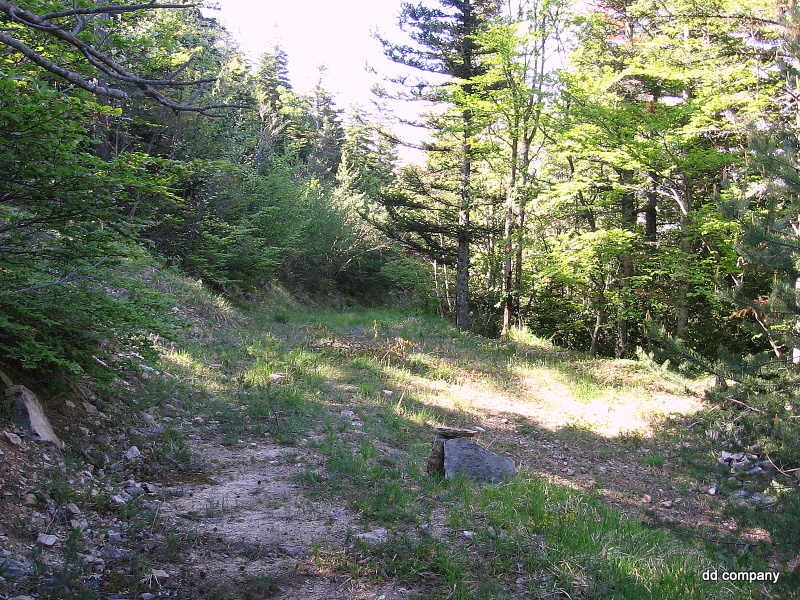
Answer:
(530, 538)
(285, 375)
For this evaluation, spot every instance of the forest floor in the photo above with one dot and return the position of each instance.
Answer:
(284, 452)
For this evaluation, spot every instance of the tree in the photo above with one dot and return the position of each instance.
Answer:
(517, 88)
(651, 133)
(65, 33)
(446, 45)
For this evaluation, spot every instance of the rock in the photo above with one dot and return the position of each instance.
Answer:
(115, 537)
(170, 411)
(666, 504)
(757, 470)
(376, 536)
(28, 414)
(132, 453)
(73, 508)
(759, 499)
(463, 456)
(293, 551)
(134, 491)
(712, 491)
(15, 569)
(46, 540)
(435, 463)
(90, 408)
(160, 575)
(454, 432)
(12, 438)
(30, 500)
(147, 596)
(112, 553)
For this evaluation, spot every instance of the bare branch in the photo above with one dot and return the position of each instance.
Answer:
(69, 76)
(110, 9)
(98, 59)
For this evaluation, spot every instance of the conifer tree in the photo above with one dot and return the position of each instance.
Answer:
(446, 45)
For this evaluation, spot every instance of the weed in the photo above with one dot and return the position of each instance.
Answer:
(654, 460)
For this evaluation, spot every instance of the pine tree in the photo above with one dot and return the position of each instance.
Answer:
(446, 44)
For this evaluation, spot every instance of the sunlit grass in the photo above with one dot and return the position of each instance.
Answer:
(528, 538)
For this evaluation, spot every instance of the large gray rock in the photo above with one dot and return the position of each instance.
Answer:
(463, 456)
(29, 416)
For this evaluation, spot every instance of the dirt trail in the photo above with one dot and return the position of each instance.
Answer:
(252, 517)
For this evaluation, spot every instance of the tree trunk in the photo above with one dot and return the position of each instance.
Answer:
(628, 221)
(508, 249)
(600, 320)
(462, 272)
(684, 287)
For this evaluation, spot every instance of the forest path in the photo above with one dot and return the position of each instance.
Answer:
(339, 412)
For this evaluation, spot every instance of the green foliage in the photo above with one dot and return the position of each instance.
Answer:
(70, 299)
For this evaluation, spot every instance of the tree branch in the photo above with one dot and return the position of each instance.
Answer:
(110, 9)
(98, 59)
(53, 68)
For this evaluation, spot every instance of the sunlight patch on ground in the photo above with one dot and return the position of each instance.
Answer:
(554, 405)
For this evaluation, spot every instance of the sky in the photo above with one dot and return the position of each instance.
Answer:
(335, 33)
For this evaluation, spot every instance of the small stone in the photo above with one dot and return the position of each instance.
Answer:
(160, 575)
(647, 498)
(135, 491)
(347, 414)
(79, 524)
(112, 553)
(90, 408)
(30, 500)
(712, 491)
(12, 438)
(46, 540)
(118, 499)
(388, 393)
(147, 596)
(468, 533)
(666, 504)
(293, 551)
(376, 536)
(132, 453)
(73, 508)
(115, 537)
(569, 472)
(757, 470)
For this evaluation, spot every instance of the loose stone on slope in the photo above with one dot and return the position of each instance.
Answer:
(463, 456)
